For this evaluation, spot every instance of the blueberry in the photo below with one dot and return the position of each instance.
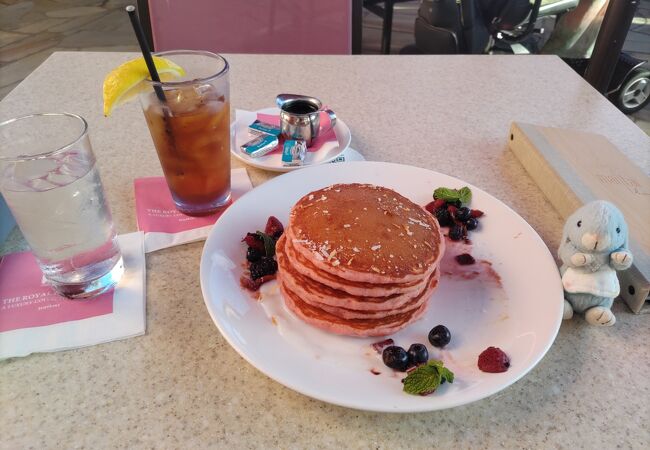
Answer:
(396, 358)
(444, 218)
(471, 224)
(253, 254)
(439, 336)
(462, 214)
(418, 354)
(456, 232)
(265, 266)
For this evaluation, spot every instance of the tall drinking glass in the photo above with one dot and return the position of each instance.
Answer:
(50, 181)
(189, 121)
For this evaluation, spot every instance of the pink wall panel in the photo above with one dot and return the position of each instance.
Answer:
(252, 26)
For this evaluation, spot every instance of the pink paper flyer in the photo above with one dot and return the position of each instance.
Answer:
(33, 318)
(163, 224)
(26, 301)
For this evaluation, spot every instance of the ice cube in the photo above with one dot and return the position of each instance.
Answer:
(183, 101)
(74, 169)
(209, 93)
(61, 179)
(203, 90)
(190, 100)
(36, 168)
(40, 185)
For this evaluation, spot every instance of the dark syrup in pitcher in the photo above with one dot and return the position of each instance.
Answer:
(300, 107)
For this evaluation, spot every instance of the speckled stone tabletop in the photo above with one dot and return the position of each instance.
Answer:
(182, 386)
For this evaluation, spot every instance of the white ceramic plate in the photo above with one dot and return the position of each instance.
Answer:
(522, 317)
(329, 152)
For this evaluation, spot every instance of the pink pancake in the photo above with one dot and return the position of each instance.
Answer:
(365, 233)
(305, 267)
(324, 296)
(350, 327)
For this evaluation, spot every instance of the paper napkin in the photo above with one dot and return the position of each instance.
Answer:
(33, 318)
(164, 226)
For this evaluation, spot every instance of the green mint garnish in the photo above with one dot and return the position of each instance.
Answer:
(426, 378)
(269, 243)
(463, 194)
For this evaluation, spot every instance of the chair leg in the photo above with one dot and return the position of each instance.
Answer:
(387, 26)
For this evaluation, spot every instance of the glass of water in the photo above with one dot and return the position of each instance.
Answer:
(49, 179)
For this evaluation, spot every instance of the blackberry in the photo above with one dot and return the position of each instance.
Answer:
(456, 232)
(254, 254)
(265, 266)
(444, 218)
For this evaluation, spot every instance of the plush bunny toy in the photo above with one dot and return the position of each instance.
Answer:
(594, 246)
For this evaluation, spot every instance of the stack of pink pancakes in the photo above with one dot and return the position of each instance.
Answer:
(359, 260)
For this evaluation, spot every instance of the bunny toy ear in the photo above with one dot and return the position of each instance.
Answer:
(625, 229)
(619, 221)
(565, 235)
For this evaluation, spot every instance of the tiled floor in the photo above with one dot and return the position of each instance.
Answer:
(30, 30)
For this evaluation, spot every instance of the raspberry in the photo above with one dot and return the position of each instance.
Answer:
(274, 227)
(265, 266)
(431, 207)
(493, 360)
(254, 241)
(249, 284)
(476, 213)
(254, 285)
(379, 346)
(435, 205)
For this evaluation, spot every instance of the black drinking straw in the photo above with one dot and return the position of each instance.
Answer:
(144, 47)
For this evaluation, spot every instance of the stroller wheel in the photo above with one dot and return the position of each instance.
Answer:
(634, 94)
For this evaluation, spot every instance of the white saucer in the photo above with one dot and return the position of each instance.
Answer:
(328, 153)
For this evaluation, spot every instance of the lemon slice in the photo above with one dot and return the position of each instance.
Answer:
(127, 80)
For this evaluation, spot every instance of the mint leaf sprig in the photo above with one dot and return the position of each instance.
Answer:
(426, 378)
(463, 194)
(269, 244)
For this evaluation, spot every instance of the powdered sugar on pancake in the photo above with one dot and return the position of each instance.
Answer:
(358, 260)
(362, 225)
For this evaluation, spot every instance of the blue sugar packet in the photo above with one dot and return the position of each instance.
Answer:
(293, 152)
(260, 146)
(259, 128)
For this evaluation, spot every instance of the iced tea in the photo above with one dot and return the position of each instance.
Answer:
(190, 129)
